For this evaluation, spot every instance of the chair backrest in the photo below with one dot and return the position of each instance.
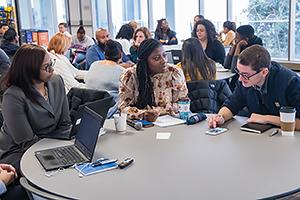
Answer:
(176, 56)
(80, 96)
(33, 191)
(207, 95)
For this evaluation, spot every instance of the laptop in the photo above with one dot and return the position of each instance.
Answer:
(176, 56)
(83, 148)
(100, 106)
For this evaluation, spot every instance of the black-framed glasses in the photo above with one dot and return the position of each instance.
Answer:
(244, 75)
(48, 67)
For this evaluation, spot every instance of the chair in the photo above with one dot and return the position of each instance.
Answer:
(207, 95)
(81, 96)
(176, 56)
(37, 193)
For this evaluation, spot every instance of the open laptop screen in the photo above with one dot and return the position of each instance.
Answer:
(86, 138)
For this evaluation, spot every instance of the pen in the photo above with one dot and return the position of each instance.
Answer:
(98, 163)
(274, 133)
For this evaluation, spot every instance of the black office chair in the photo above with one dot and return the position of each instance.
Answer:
(81, 96)
(34, 191)
(176, 56)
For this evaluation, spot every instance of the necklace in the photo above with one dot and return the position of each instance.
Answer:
(46, 94)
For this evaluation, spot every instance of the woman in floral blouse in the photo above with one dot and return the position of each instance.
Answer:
(152, 87)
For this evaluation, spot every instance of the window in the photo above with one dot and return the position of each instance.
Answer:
(270, 20)
(101, 14)
(184, 22)
(61, 11)
(127, 10)
(216, 13)
(297, 31)
(159, 11)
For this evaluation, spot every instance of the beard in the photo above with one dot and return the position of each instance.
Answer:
(102, 46)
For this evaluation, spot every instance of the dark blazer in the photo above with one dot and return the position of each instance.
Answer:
(215, 51)
(26, 121)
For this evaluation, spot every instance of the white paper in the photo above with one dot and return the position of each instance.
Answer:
(163, 135)
(167, 120)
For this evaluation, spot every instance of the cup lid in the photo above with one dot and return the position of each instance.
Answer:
(287, 109)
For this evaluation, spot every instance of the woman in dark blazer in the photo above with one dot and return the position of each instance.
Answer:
(34, 104)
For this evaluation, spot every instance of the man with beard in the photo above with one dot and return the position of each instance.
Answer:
(96, 51)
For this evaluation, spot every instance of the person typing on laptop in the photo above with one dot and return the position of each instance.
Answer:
(34, 104)
(263, 87)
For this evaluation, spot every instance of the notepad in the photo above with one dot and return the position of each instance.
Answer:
(87, 168)
(256, 127)
(167, 120)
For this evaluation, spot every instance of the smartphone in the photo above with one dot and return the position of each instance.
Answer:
(146, 124)
(216, 131)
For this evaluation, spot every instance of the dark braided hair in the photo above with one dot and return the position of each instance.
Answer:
(146, 94)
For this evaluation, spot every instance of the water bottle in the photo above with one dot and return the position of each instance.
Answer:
(184, 108)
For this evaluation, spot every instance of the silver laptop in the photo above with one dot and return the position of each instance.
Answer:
(83, 148)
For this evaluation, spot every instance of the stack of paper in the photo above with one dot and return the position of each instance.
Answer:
(167, 120)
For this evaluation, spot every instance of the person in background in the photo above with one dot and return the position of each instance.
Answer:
(105, 74)
(96, 51)
(80, 43)
(58, 47)
(139, 36)
(81, 39)
(3, 28)
(195, 63)
(164, 34)
(4, 63)
(134, 24)
(260, 90)
(34, 104)
(124, 37)
(244, 38)
(10, 42)
(9, 189)
(228, 34)
(206, 33)
(198, 18)
(63, 28)
(152, 87)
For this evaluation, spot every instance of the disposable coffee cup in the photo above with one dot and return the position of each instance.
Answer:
(120, 122)
(287, 120)
(184, 109)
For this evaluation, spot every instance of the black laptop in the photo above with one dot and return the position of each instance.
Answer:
(100, 106)
(176, 56)
(83, 148)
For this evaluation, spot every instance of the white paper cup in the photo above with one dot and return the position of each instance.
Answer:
(120, 122)
(287, 120)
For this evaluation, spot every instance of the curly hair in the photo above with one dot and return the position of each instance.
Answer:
(210, 30)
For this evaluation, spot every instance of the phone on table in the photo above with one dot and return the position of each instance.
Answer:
(216, 131)
(146, 124)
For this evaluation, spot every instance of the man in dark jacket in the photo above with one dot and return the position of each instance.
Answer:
(263, 88)
(244, 38)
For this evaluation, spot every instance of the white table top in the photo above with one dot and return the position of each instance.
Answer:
(189, 165)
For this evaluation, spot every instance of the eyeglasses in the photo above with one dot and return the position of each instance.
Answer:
(244, 75)
(48, 67)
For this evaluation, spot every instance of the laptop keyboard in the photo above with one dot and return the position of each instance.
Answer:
(68, 155)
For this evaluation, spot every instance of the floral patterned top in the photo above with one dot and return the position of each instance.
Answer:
(168, 88)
